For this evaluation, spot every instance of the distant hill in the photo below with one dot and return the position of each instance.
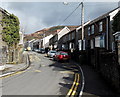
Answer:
(47, 31)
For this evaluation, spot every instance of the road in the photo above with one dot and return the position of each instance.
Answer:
(44, 77)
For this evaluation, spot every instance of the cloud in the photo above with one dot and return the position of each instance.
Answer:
(38, 15)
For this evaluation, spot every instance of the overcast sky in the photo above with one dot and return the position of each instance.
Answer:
(35, 16)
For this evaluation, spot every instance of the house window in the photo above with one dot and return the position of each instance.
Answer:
(92, 43)
(92, 32)
(97, 41)
(73, 35)
(100, 41)
(63, 46)
(80, 44)
(72, 45)
(100, 26)
(83, 44)
(69, 36)
(88, 30)
(113, 46)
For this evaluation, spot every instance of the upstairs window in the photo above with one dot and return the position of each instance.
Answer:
(73, 35)
(89, 31)
(92, 32)
(100, 26)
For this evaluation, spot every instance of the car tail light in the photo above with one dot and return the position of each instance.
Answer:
(60, 56)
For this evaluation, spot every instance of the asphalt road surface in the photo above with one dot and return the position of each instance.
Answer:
(47, 77)
(44, 77)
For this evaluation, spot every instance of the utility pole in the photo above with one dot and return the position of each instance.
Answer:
(44, 40)
(82, 22)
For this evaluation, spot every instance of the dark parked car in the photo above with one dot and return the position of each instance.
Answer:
(62, 56)
(41, 50)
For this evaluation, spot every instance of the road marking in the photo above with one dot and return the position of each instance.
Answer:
(43, 65)
(70, 72)
(83, 81)
(29, 68)
(77, 83)
(37, 70)
(73, 66)
(16, 73)
(70, 91)
(74, 70)
(12, 74)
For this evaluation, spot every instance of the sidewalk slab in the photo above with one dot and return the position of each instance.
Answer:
(3, 67)
(9, 69)
(95, 85)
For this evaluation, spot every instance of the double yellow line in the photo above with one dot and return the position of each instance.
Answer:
(15, 73)
(72, 92)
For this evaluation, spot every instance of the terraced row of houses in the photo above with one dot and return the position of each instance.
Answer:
(99, 48)
(98, 33)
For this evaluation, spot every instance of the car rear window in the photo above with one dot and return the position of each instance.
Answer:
(64, 53)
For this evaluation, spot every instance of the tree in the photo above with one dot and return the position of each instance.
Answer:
(10, 32)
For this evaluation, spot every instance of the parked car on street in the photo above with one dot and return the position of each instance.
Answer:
(41, 50)
(51, 53)
(61, 56)
(36, 50)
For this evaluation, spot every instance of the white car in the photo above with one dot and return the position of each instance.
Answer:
(51, 53)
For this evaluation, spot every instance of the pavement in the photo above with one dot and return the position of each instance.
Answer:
(96, 85)
(8, 69)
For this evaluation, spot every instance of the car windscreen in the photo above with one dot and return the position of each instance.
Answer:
(53, 52)
(43, 49)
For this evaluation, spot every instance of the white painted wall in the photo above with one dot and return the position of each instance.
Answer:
(112, 14)
(21, 38)
(64, 31)
(31, 43)
(46, 40)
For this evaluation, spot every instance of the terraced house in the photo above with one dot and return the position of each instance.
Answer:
(56, 42)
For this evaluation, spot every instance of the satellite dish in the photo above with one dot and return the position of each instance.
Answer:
(65, 3)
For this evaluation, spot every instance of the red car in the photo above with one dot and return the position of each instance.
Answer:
(61, 56)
